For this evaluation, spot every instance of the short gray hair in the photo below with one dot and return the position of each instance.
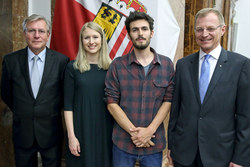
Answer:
(205, 11)
(36, 17)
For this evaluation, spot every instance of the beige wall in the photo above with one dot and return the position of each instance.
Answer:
(178, 8)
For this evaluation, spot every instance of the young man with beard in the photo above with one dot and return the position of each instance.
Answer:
(139, 92)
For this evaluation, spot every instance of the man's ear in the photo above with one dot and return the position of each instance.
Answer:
(152, 34)
(223, 29)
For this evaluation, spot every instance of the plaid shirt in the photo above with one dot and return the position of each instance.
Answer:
(139, 96)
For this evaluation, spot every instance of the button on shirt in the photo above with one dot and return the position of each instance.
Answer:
(140, 96)
(40, 62)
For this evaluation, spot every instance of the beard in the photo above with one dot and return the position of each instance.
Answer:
(141, 46)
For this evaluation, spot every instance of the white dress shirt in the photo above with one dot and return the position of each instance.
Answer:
(40, 62)
(215, 54)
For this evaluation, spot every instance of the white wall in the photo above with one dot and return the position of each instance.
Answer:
(243, 33)
(42, 7)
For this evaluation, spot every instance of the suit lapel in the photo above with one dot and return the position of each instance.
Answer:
(23, 59)
(49, 61)
(195, 72)
(221, 66)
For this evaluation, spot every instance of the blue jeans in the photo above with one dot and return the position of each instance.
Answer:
(124, 159)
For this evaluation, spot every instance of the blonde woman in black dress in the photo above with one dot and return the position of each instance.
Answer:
(88, 123)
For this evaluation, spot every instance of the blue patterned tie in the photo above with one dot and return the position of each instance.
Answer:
(204, 77)
(35, 76)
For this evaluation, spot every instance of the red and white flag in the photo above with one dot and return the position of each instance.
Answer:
(70, 15)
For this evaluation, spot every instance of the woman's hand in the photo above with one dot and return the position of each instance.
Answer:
(74, 146)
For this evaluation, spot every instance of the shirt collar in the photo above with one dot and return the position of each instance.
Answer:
(214, 53)
(132, 58)
(41, 55)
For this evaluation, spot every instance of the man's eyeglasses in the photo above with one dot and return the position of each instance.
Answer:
(209, 29)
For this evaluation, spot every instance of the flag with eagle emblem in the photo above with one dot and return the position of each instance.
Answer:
(70, 16)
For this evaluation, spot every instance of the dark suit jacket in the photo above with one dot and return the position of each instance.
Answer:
(34, 119)
(220, 127)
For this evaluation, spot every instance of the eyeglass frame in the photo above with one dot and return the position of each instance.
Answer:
(209, 29)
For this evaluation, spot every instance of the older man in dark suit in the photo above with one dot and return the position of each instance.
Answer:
(32, 84)
(210, 117)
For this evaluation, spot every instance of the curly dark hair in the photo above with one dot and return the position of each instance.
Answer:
(133, 16)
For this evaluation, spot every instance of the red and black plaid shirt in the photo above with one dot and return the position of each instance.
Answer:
(140, 96)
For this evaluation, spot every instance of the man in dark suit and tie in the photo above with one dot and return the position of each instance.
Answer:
(210, 117)
(32, 84)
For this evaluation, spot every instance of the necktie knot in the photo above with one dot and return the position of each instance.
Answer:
(35, 58)
(207, 57)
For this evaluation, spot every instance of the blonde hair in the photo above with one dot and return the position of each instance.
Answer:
(81, 62)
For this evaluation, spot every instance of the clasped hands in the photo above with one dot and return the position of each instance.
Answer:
(141, 137)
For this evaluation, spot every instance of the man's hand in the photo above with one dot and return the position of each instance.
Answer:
(170, 160)
(234, 165)
(142, 137)
(134, 133)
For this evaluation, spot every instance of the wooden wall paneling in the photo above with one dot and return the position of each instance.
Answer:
(19, 13)
(191, 8)
(53, 3)
(6, 146)
(12, 13)
(226, 13)
(207, 4)
(5, 28)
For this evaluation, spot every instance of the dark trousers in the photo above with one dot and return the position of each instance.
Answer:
(197, 162)
(51, 157)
